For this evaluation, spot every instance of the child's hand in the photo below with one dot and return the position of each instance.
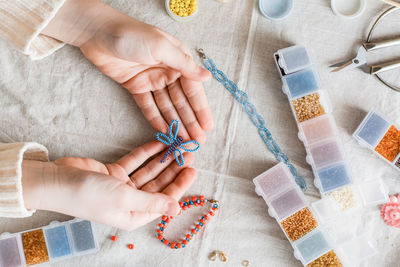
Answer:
(154, 66)
(88, 189)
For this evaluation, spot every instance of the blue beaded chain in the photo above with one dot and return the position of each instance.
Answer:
(258, 121)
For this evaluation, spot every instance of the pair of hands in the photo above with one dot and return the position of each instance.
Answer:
(159, 71)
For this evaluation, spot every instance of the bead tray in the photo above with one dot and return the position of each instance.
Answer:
(317, 128)
(373, 132)
(288, 205)
(301, 224)
(43, 246)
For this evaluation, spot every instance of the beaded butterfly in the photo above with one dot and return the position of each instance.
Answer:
(176, 143)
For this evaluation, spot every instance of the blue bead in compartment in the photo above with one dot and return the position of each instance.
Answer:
(312, 245)
(301, 83)
(334, 177)
(373, 129)
(9, 253)
(57, 242)
(82, 236)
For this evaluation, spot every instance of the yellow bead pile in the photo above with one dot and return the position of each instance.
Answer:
(183, 8)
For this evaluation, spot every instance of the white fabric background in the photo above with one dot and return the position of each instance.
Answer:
(67, 105)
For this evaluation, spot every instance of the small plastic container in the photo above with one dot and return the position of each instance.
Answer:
(382, 137)
(292, 59)
(52, 243)
(301, 83)
(275, 9)
(348, 8)
(325, 153)
(312, 246)
(310, 106)
(332, 177)
(318, 129)
(177, 17)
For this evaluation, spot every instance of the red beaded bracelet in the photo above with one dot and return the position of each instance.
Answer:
(193, 201)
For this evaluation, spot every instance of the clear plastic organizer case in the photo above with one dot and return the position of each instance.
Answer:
(299, 222)
(42, 246)
(381, 136)
(292, 59)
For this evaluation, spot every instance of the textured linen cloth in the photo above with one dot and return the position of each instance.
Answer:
(66, 104)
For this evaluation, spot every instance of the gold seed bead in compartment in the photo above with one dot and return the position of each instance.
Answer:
(308, 107)
(183, 8)
(389, 146)
(329, 259)
(299, 224)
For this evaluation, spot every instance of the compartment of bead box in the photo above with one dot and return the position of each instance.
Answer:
(332, 177)
(325, 153)
(292, 59)
(318, 129)
(310, 106)
(301, 83)
(52, 243)
(379, 135)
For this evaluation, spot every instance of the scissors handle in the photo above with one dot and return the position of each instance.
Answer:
(385, 66)
(381, 44)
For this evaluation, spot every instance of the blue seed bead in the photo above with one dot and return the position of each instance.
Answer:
(198, 201)
(162, 228)
(185, 204)
(163, 222)
(176, 246)
(183, 245)
(191, 202)
(201, 224)
(196, 229)
(187, 239)
(169, 244)
(162, 240)
(215, 206)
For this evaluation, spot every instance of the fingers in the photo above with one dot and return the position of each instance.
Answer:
(150, 111)
(170, 55)
(158, 203)
(186, 112)
(194, 92)
(168, 110)
(151, 80)
(167, 176)
(181, 184)
(139, 155)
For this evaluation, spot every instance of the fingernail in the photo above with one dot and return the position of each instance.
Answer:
(172, 208)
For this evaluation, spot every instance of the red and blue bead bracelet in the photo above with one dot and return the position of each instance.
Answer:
(189, 202)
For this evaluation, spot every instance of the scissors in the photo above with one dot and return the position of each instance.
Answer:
(360, 60)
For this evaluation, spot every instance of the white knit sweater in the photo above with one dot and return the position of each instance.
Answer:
(21, 22)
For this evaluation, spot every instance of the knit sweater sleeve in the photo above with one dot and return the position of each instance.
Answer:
(21, 22)
(11, 156)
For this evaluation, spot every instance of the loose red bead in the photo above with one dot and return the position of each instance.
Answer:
(179, 245)
(171, 217)
(160, 237)
(167, 220)
(184, 241)
(114, 238)
(166, 242)
(164, 218)
(211, 213)
(131, 246)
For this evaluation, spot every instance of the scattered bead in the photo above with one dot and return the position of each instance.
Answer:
(213, 256)
(222, 256)
(114, 238)
(246, 263)
(131, 246)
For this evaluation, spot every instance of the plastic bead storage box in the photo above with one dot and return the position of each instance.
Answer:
(317, 130)
(52, 243)
(379, 135)
(287, 204)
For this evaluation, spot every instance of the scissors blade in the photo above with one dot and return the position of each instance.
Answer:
(359, 60)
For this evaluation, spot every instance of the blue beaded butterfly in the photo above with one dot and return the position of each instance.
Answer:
(175, 142)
